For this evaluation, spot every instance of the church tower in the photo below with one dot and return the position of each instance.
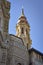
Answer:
(23, 30)
(4, 16)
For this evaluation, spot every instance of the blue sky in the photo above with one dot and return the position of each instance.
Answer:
(33, 10)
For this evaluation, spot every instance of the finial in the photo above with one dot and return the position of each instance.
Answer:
(22, 11)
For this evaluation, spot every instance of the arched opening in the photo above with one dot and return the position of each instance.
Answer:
(18, 31)
(22, 30)
(19, 64)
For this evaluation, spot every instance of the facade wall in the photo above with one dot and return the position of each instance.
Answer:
(18, 52)
(3, 56)
(36, 59)
(14, 51)
(1, 20)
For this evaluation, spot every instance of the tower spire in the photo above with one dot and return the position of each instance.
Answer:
(22, 11)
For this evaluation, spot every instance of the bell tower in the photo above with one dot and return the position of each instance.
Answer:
(23, 30)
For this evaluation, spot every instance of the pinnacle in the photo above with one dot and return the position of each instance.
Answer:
(22, 12)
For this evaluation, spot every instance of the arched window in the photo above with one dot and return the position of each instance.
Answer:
(22, 30)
